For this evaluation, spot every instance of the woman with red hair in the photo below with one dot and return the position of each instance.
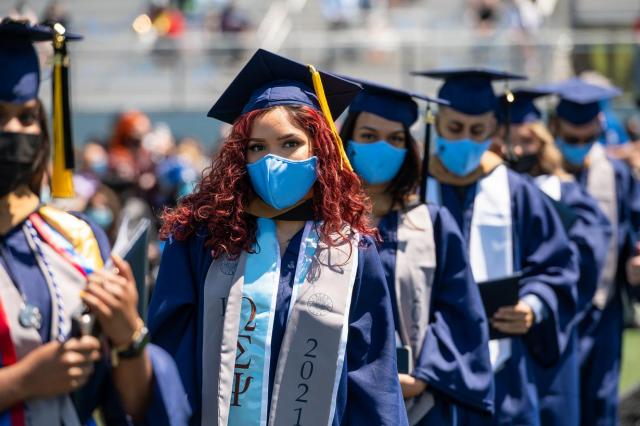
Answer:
(271, 297)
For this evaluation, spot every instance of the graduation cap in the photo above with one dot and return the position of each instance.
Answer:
(20, 82)
(520, 109)
(390, 103)
(469, 90)
(396, 105)
(269, 80)
(580, 101)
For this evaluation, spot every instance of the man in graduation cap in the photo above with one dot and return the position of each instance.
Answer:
(530, 150)
(270, 295)
(52, 262)
(577, 129)
(512, 232)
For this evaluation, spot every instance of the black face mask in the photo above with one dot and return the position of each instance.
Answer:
(524, 164)
(18, 155)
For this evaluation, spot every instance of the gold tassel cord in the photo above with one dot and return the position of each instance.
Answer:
(62, 176)
(324, 106)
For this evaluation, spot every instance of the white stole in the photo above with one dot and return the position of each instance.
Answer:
(491, 250)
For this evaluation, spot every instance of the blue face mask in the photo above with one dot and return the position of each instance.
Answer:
(281, 182)
(376, 162)
(102, 216)
(462, 156)
(574, 154)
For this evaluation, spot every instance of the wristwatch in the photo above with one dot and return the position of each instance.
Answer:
(139, 341)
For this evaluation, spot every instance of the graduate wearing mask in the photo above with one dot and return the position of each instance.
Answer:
(577, 129)
(532, 152)
(271, 296)
(511, 228)
(51, 262)
(436, 303)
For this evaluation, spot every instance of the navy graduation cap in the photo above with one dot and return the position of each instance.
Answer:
(521, 109)
(469, 90)
(268, 80)
(20, 70)
(20, 82)
(387, 102)
(580, 101)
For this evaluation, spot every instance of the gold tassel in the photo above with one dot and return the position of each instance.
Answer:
(62, 175)
(324, 106)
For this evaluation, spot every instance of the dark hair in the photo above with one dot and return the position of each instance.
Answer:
(407, 180)
(41, 164)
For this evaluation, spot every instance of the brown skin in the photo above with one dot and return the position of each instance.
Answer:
(372, 128)
(59, 368)
(275, 133)
(454, 125)
(633, 268)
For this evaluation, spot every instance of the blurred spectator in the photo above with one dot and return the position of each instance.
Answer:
(167, 21)
(103, 208)
(21, 10)
(233, 20)
(485, 14)
(56, 12)
(128, 159)
(94, 161)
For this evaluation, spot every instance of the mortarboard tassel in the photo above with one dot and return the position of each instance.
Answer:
(324, 106)
(63, 161)
(509, 96)
(427, 152)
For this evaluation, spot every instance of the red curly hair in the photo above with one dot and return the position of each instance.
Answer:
(220, 201)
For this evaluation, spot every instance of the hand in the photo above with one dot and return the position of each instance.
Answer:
(633, 268)
(113, 297)
(516, 319)
(58, 368)
(411, 387)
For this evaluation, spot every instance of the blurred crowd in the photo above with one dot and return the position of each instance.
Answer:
(135, 172)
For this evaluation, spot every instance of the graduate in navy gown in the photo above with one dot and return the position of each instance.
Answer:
(277, 235)
(530, 150)
(577, 129)
(511, 228)
(50, 263)
(447, 330)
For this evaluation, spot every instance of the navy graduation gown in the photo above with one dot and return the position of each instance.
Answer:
(600, 332)
(100, 391)
(558, 385)
(454, 361)
(549, 271)
(368, 391)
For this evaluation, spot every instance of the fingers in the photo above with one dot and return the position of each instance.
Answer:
(124, 268)
(509, 314)
(510, 327)
(82, 344)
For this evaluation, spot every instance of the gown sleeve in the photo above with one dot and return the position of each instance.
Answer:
(591, 234)
(173, 322)
(549, 269)
(455, 355)
(629, 222)
(372, 392)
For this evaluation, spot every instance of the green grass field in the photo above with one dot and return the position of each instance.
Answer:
(630, 375)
